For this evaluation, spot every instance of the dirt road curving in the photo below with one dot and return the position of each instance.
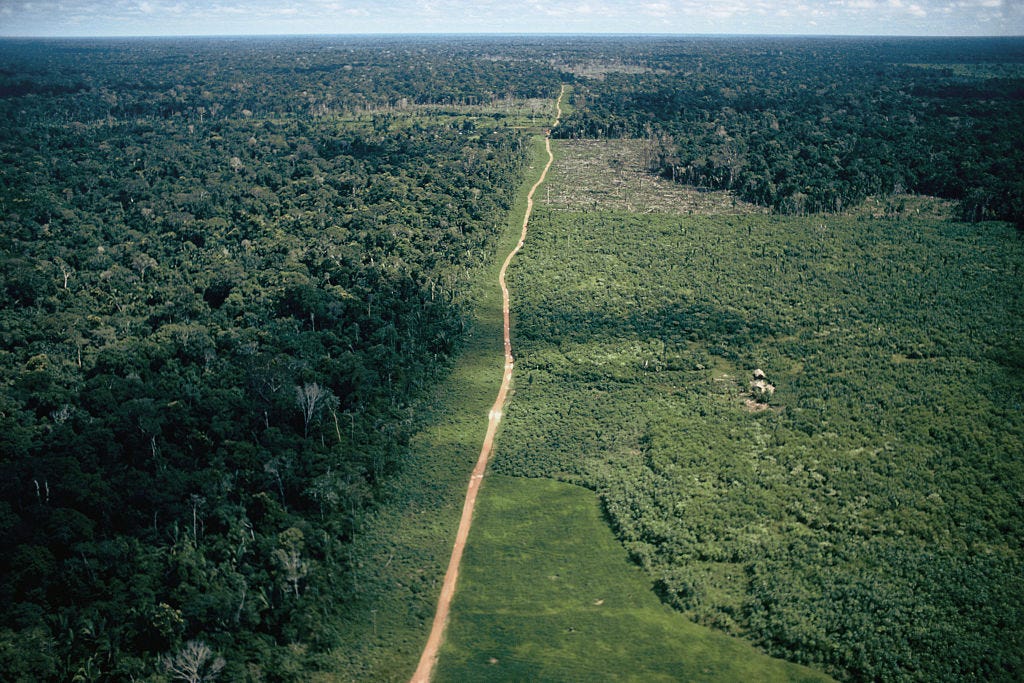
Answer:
(429, 656)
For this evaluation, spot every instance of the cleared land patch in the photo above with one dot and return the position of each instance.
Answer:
(613, 175)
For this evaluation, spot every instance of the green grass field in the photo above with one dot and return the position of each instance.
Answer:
(548, 594)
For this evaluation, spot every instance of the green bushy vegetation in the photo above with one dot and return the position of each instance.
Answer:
(864, 515)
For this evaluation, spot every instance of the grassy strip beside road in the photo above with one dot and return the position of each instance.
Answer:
(547, 593)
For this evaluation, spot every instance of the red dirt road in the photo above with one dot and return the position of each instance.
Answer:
(429, 657)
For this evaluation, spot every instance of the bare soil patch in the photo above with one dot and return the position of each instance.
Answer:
(613, 175)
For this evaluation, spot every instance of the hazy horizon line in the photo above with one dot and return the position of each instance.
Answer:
(509, 34)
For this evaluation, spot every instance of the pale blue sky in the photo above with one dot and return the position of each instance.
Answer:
(221, 17)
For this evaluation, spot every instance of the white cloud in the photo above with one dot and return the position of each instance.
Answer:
(862, 4)
(656, 9)
(227, 10)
